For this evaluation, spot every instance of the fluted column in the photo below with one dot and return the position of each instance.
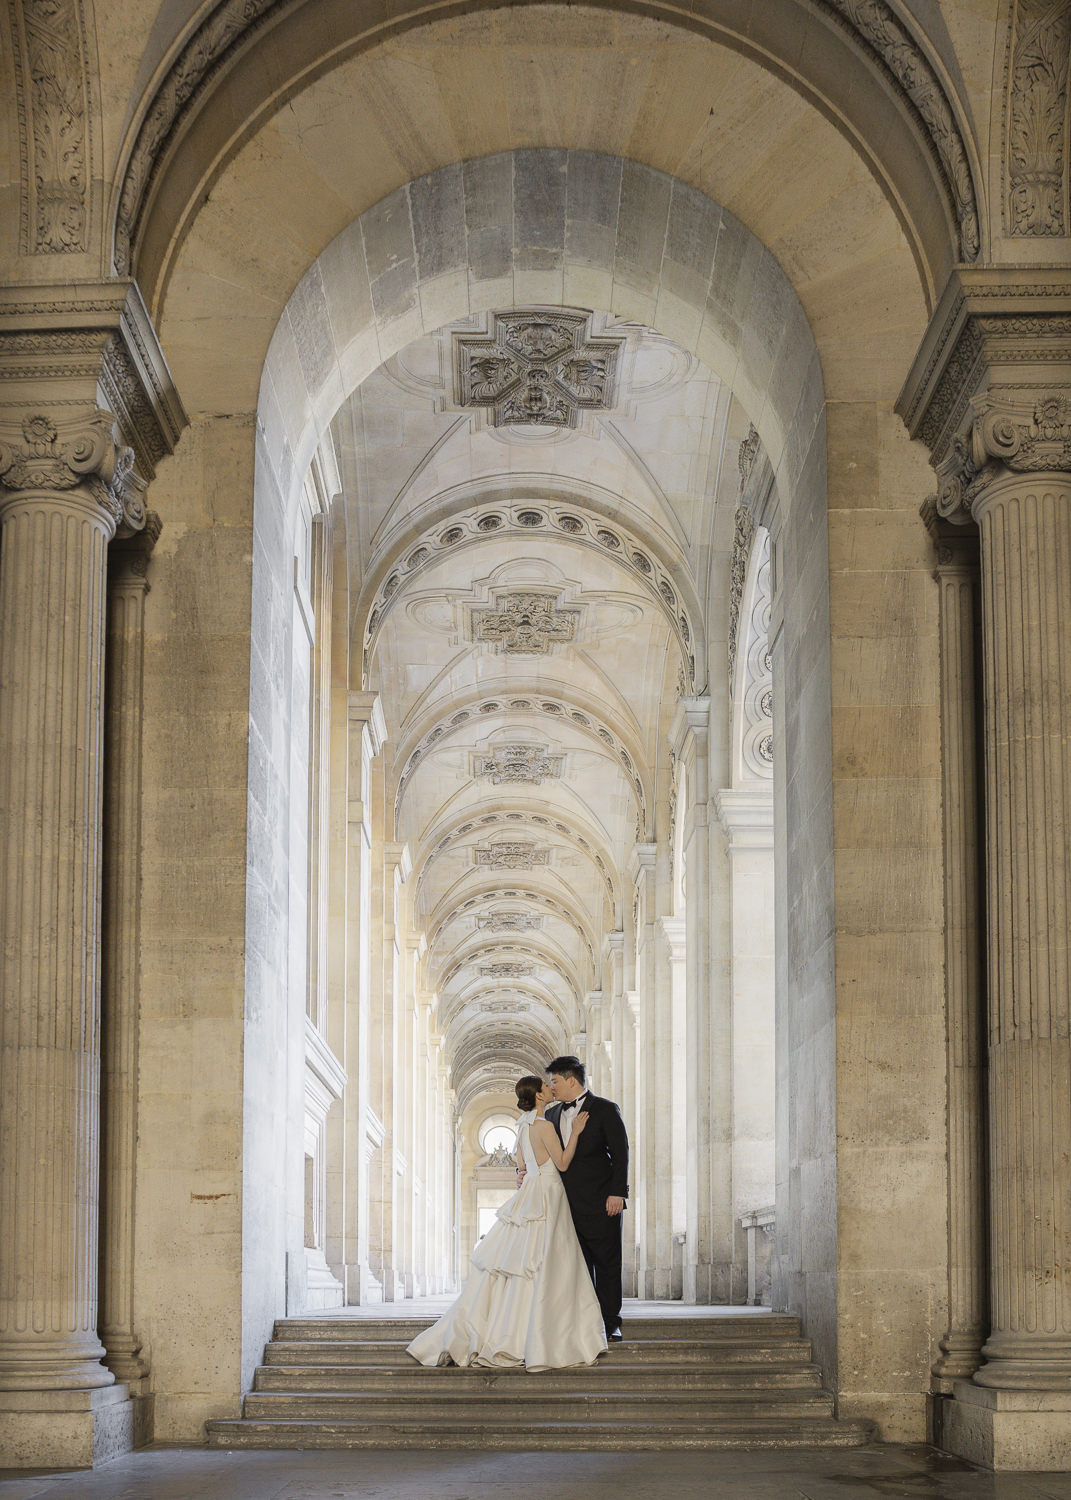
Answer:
(1025, 526)
(120, 952)
(957, 580)
(59, 506)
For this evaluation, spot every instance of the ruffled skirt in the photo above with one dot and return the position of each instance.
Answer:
(529, 1298)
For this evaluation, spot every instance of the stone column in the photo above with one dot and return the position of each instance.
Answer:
(990, 394)
(59, 506)
(128, 564)
(957, 581)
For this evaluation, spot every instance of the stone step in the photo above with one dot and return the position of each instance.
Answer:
(758, 1327)
(648, 1352)
(717, 1431)
(497, 1408)
(606, 1376)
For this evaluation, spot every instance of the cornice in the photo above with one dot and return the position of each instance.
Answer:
(77, 346)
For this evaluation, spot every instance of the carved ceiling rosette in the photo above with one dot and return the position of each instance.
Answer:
(511, 765)
(525, 624)
(510, 855)
(536, 369)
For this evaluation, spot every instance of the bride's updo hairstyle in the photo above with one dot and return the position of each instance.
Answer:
(527, 1089)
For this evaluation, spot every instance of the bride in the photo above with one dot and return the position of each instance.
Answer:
(529, 1298)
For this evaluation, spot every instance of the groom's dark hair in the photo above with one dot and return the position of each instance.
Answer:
(568, 1067)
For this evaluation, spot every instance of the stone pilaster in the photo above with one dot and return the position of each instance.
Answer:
(61, 498)
(957, 580)
(120, 951)
(991, 393)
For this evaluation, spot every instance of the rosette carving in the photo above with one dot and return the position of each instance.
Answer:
(46, 456)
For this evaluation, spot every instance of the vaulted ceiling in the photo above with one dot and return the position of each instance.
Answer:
(531, 507)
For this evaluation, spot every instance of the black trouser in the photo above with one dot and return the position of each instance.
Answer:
(600, 1240)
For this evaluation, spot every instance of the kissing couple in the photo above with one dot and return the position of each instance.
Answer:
(545, 1287)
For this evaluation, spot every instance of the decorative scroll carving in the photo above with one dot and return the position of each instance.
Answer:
(1006, 434)
(507, 970)
(519, 855)
(514, 764)
(536, 369)
(508, 921)
(52, 88)
(875, 22)
(83, 452)
(525, 624)
(756, 686)
(743, 537)
(1035, 120)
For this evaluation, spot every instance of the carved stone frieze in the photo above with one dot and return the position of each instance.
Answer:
(525, 624)
(512, 855)
(510, 765)
(506, 970)
(1036, 120)
(83, 454)
(508, 921)
(536, 368)
(52, 97)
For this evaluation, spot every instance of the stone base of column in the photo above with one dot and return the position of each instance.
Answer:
(706, 1284)
(68, 1429)
(657, 1285)
(362, 1285)
(1007, 1429)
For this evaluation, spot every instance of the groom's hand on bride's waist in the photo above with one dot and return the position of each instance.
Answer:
(615, 1206)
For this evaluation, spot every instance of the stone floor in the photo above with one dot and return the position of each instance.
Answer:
(161, 1473)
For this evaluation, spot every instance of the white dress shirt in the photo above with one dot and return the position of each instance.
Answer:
(567, 1116)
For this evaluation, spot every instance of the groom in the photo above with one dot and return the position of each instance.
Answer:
(596, 1182)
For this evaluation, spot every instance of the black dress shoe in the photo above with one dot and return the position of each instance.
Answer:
(616, 1336)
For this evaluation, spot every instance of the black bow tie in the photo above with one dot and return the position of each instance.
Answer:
(571, 1105)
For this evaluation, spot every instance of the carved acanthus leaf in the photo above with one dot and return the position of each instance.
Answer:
(1035, 121)
(1004, 435)
(53, 103)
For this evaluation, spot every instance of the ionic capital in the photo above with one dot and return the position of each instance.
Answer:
(1005, 436)
(128, 556)
(42, 456)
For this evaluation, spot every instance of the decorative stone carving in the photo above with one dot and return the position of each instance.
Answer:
(515, 764)
(748, 449)
(755, 686)
(525, 624)
(653, 577)
(52, 95)
(1035, 119)
(877, 24)
(536, 368)
(497, 1007)
(43, 456)
(1006, 434)
(509, 970)
(510, 856)
(743, 537)
(508, 921)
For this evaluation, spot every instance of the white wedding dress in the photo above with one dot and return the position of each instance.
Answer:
(529, 1298)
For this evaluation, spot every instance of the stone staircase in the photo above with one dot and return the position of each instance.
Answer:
(675, 1382)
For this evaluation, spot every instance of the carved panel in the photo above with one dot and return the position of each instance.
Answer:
(507, 970)
(1036, 119)
(508, 921)
(52, 96)
(536, 368)
(510, 765)
(525, 624)
(755, 679)
(742, 540)
(518, 855)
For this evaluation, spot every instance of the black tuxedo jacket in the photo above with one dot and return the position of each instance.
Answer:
(599, 1168)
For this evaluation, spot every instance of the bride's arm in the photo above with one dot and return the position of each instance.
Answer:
(559, 1155)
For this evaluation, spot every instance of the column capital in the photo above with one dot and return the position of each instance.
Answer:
(41, 456)
(84, 346)
(990, 389)
(129, 555)
(747, 815)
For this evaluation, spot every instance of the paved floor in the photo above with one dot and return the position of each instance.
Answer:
(197, 1474)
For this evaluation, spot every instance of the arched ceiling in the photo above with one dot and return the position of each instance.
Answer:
(530, 527)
